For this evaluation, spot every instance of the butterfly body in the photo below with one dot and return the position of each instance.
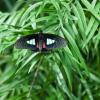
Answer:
(40, 42)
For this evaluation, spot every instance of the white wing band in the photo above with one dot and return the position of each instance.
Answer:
(50, 41)
(32, 42)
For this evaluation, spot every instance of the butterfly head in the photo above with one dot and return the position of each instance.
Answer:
(40, 35)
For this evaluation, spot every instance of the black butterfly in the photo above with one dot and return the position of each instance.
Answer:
(40, 42)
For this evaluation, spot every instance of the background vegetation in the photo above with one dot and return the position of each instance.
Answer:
(71, 73)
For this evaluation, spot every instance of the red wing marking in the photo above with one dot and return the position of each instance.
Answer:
(37, 45)
(44, 45)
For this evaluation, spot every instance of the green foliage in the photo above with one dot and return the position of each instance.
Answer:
(69, 73)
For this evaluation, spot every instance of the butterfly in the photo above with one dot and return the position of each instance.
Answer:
(40, 42)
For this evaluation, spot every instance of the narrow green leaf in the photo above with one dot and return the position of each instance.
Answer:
(91, 9)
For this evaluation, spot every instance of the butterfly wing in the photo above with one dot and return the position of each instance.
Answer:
(27, 42)
(49, 41)
(56, 41)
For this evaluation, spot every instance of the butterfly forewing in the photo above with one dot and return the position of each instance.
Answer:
(56, 41)
(27, 42)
